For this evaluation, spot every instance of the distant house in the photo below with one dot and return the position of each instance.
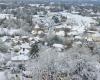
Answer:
(38, 29)
(93, 36)
(58, 28)
(62, 30)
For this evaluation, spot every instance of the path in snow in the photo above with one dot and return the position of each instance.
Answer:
(2, 76)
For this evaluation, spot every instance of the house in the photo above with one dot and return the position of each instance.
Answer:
(35, 29)
(58, 28)
(96, 37)
(38, 30)
(62, 30)
(93, 36)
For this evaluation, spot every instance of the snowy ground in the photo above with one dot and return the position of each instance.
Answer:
(2, 75)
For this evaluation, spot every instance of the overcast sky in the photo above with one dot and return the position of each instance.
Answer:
(48, 0)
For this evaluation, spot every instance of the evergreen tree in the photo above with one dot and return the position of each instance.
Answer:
(56, 19)
(34, 50)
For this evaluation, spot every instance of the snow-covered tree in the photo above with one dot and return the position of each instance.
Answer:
(34, 50)
(3, 47)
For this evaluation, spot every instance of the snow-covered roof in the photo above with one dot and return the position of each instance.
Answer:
(34, 32)
(40, 32)
(25, 45)
(23, 51)
(20, 58)
(37, 5)
(37, 26)
(12, 31)
(78, 37)
(68, 27)
(24, 36)
(58, 45)
(60, 33)
(94, 36)
(73, 33)
(36, 38)
(75, 12)
(91, 31)
(89, 39)
(32, 42)
(30, 38)
(61, 26)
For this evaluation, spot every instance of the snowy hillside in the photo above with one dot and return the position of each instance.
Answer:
(80, 22)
